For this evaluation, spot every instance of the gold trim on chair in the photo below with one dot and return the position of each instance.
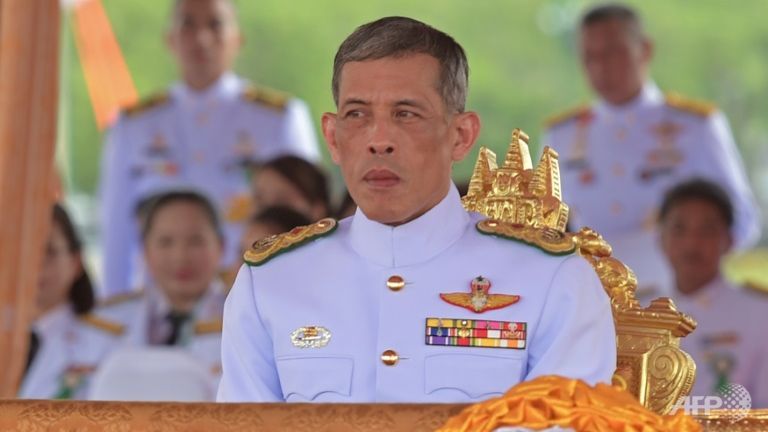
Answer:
(650, 363)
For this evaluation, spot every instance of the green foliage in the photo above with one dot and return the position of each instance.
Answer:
(521, 53)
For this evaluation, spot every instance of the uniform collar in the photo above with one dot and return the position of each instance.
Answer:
(414, 242)
(227, 86)
(706, 296)
(53, 319)
(649, 95)
(209, 305)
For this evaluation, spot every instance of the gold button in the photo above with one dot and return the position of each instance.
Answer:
(389, 357)
(395, 283)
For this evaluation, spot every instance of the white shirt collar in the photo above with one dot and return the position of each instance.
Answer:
(208, 305)
(649, 95)
(227, 86)
(53, 319)
(707, 294)
(414, 242)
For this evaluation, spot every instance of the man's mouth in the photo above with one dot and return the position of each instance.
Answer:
(381, 178)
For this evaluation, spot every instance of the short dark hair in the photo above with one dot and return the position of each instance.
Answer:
(701, 190)
(306, 177)
(150, 207)
(281, 217)
(81, 295)
(177, 3)
(399, 37)
(614, 11)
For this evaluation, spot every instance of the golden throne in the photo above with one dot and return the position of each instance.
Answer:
(650, 363)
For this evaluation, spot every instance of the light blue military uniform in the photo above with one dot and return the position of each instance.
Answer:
(144, 316)
(328, 322)
(729, 345)
(71, 348)
(199, 140)
(618, 161)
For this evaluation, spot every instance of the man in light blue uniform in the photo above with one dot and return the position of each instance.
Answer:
(412, 299)
(202, 134)
(620, 154)
(729, 345)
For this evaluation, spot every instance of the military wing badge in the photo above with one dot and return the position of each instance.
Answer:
(478, 300)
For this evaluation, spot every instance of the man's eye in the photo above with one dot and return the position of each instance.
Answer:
(215, 25)
(353, 114)
(406, 114)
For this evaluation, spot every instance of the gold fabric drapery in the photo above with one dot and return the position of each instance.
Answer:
(29, 44)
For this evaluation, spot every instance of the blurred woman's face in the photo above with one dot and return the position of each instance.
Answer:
(183, 253)
(61, 267)
(271, 189)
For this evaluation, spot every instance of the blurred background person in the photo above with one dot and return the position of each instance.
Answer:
(271, 221)
(203, 133)
(619, 154)
(268, 222)
(729, 345)
(290, 181)
(67, 342)
(183, 245)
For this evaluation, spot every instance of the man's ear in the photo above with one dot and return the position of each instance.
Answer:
(328, 124)
(728, 242)
(170, 41)
(648, 49)
(467, 125)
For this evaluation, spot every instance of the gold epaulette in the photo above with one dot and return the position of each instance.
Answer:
(548, 240)
(147, 103)
(268, 248)
(573, 113)
(266, 96)
(209, 326)
(121, 298)
(695, 107)
(756, 288)
(112, 327)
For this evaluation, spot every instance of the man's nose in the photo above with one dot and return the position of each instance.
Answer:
(381, 141)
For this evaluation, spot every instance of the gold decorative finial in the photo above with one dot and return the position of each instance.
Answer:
(525, 203)
(516, 192)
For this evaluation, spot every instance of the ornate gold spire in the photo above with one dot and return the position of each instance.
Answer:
(517, 193)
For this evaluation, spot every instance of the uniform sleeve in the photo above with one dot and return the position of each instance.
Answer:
(249, 373)
(575, 335)
(118, 230)
(299, 133)
(722, 163)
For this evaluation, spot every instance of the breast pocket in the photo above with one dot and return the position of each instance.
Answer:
(476, 376)
(320, 379)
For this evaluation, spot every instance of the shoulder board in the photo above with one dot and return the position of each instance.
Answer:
(209, 326)
(756, 288)
(268, 248)
(695, 107)
(121, 298)
(112, 327)
(147, 104)
(579, 112)
(265, 96)
(548, 240)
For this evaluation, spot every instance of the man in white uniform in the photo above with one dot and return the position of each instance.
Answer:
(412, 299)
(620, 154)
(204, 133)
(729, 345)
